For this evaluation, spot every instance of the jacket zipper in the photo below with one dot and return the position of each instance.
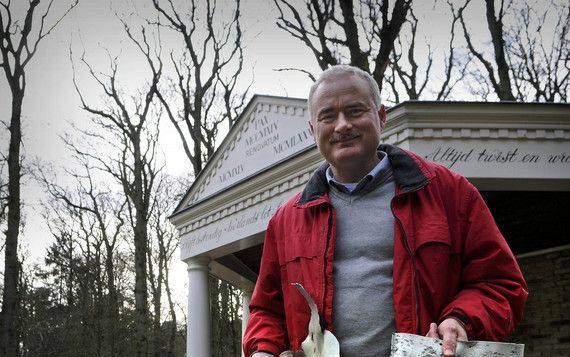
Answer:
(412, 257)
(325, 290)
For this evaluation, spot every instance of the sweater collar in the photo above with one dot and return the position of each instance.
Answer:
(410, 174)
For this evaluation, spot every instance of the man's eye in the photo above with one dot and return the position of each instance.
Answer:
(355, 111)
(326, 118)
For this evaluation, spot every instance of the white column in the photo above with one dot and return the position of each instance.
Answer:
(199, 338)
(246, 291)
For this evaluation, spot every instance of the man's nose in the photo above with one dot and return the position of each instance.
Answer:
(342, 123)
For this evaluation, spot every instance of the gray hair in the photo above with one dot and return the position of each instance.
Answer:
(341, 70)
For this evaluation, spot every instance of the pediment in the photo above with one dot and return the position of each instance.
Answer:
(269, 131)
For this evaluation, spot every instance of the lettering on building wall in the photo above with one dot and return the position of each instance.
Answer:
(265, 134)
(228, 174)
(292, 141)
(250, 151)
(450, 156)
(239, 221)
(266, 139)
(562, 158)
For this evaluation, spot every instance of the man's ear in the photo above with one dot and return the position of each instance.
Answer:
(382, 116)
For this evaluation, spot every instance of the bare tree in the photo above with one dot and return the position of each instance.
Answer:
(19, 43)
(162, 247)
(203, 95)
(226, 323)
(86, 221)
(93, 203)
(452, 61)
(416, 77)
(539, 57)
(496, 69)
(413, 85)
(73, 274)
(129, 125)
(360, 34)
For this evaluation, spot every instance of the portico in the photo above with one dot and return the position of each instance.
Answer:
(505, 149)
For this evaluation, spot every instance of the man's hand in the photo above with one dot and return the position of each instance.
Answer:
(450, 331)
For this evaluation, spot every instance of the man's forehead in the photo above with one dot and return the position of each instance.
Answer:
(332, 103)
(341, 97)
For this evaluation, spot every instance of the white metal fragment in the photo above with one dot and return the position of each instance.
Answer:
(409, 345)
(317, 343)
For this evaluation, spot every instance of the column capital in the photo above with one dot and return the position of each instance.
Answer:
(198, 263)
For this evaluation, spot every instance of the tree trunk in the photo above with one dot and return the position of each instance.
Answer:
(172, 337)
(141, 293)
(9, 331)
(504, 90)
(141, 247)
(388, 35)
(113, 307)
(357, 57)
(156, 292)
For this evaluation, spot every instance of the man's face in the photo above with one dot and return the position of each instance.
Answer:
(346, 126)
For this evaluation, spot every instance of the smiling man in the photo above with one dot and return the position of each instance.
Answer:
(382, 240)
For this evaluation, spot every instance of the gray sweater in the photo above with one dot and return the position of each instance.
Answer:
(363, 308)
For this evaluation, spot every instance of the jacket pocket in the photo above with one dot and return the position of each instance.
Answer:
(433, 234)
(299, 260)
(437, 262)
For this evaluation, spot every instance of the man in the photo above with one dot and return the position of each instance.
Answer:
(382, 240)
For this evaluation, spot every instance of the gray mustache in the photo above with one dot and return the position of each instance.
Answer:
(342, 137)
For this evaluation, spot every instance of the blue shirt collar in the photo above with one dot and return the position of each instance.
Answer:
(351, 187)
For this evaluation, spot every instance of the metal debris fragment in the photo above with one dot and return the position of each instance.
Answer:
(317, 343)
(408, 345)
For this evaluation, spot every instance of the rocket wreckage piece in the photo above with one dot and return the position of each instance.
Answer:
(318, 343)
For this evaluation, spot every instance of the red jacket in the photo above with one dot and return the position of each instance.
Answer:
(449, 260)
